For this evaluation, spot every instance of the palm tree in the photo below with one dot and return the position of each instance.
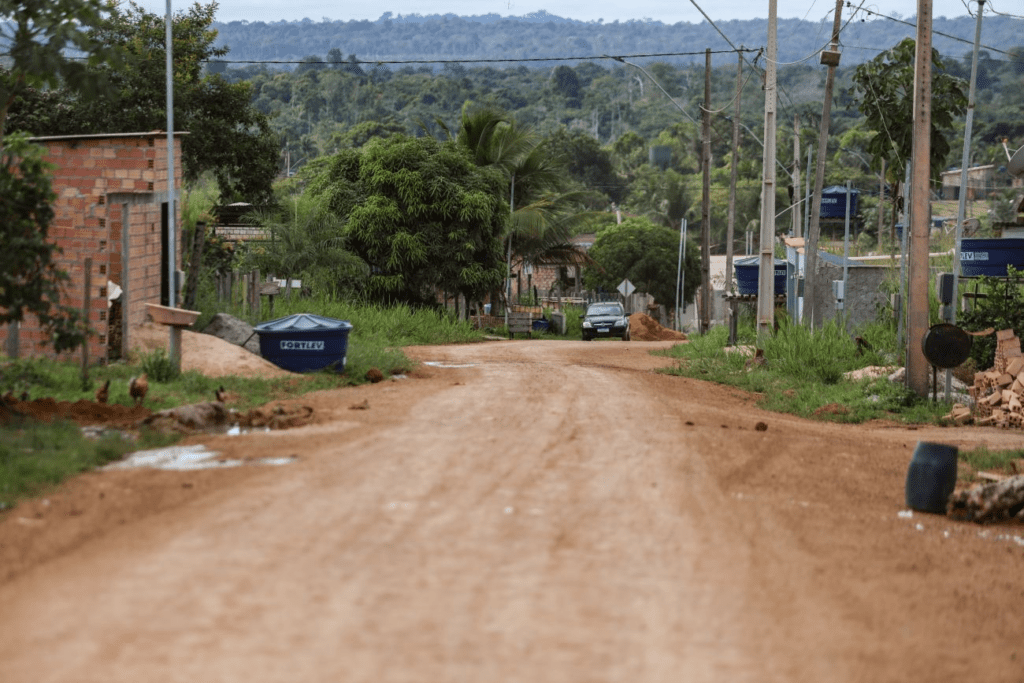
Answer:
(307, 242)
(544, 215)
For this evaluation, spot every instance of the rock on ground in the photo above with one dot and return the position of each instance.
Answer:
(235, 331)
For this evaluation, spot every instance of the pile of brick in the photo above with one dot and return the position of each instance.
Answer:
(998, 393)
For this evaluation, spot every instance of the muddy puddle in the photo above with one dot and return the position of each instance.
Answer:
(184, 458)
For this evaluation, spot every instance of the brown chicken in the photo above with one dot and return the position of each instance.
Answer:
(103, 393)
(137, 388)
(225, 396)
(758, 360)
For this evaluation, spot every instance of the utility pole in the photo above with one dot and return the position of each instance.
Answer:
(812, 289)
(705, 204)
(797, 218)
(917, 291)
(174, 341)
(766, 273)
(881, 201)
(965, 161)
(731, 227)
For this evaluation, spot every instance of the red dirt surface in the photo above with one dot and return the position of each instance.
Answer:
(536, 511)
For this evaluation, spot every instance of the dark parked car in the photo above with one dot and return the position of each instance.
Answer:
(605, 319)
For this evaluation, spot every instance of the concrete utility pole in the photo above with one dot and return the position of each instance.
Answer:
(797, 218)
(730, 230)
(174, 342)
(705, 204)
(917, 291)
(964, 163)
(812, 287)
(766, 272)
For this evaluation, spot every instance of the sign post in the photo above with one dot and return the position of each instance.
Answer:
(625, 289)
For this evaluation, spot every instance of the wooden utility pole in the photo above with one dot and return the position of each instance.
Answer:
(812, 288)
(766, 273)
(920, 215)
(705, 204)
(797, 218)
(730, 230)
(881, 201)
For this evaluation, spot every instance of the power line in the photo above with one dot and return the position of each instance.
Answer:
(510, 60)
(938, 33)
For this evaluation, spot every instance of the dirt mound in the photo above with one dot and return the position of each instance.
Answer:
(82, 412)
(643, 327)
(205, 353)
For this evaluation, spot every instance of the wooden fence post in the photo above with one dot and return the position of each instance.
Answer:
(194, 264)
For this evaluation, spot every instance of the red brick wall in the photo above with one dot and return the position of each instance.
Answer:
(93, 176)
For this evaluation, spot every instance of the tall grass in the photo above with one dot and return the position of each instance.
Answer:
(391, 326)
(803, 373)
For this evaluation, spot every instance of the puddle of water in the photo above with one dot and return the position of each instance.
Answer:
(439, 364)
(236, 430)
(183, 458)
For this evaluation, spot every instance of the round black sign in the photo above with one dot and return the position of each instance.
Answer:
(946, 346)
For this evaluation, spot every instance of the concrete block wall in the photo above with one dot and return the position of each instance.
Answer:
(105, 185)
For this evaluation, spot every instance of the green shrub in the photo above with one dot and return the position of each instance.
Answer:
(158, 366)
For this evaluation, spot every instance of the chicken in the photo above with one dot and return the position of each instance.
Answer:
(862, 345)
(103, 393)
(9, 397)
(225, 396)
(137, 388)
(758, 360)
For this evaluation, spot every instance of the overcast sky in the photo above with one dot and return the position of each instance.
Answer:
(666, 11)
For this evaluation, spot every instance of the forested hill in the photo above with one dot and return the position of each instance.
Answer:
(491, 37)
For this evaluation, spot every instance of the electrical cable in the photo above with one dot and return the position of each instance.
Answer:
(934, 32)
(481, 61)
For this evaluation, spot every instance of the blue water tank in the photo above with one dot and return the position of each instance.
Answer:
(305, 342)
(833, 202)
(748, 271)
(991, 256)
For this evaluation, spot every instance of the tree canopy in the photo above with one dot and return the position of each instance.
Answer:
(886, 87)
(226, 134)
(648, 256)
(421, 214)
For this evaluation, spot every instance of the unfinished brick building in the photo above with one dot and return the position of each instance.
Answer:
(110, 214)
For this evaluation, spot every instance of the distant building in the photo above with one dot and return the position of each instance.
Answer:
(980, 182)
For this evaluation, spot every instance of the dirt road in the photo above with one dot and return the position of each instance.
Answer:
(533, 512)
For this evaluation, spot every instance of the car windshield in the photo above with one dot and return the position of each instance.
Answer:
(611, 309)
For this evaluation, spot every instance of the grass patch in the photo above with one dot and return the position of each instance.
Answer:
(36, 456)
(981, 459)
(803, 374)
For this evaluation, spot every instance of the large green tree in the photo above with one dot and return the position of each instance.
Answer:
(885, 93)
(227, 135)
(421, 214)
(36, 37)
(648, 256)
(546, 211)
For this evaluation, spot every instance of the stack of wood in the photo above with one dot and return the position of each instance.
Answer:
(998, 393)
